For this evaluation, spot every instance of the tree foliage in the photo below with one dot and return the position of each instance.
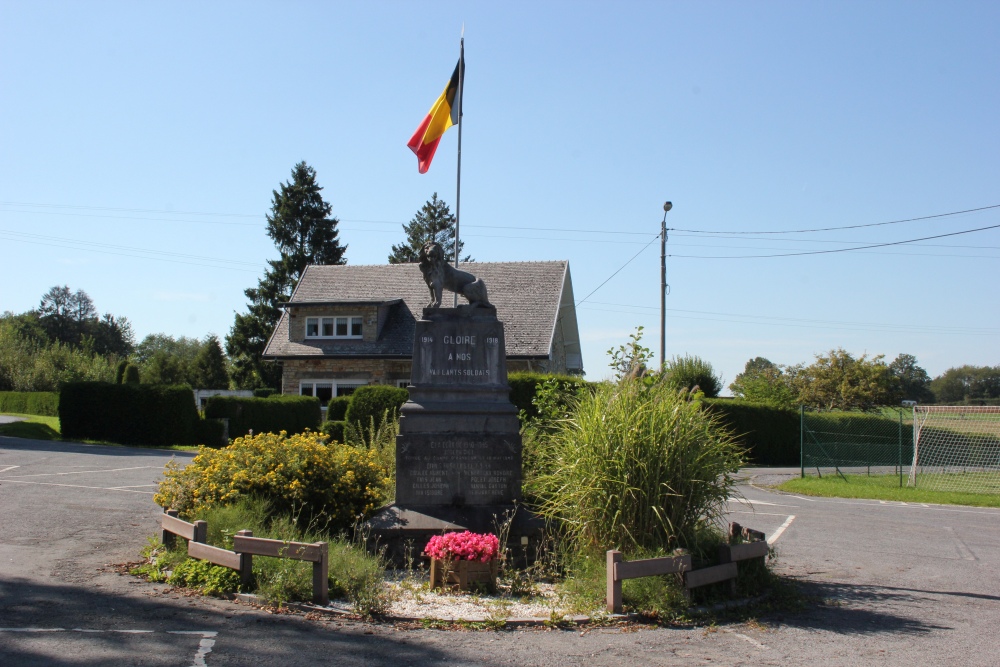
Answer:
(967, 383)
(839, 381)
(912, 381)
(303, 231)
(433, 222)
(764, 382)
(209, 370)
(163, 359)
(63, 340)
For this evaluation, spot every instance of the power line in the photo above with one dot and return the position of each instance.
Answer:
(803, 322)
(126, 251)
(827, 252)
(830, 229)
(619, 270)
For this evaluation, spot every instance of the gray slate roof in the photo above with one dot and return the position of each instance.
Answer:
(526, 295)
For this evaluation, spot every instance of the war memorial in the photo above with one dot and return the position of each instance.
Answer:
(458, 452)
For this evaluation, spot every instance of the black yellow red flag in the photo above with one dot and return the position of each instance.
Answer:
(443, 114)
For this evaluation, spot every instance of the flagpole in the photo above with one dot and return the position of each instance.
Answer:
(458, 180)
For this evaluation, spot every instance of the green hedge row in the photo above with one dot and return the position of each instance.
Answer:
(770, 434)
(30, 402)
(523, 387)
(293, 414)
(370, 404)
(129, 414)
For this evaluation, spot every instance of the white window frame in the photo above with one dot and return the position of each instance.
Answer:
(335, 387)
(327, 326)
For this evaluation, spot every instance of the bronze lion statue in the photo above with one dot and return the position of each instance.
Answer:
(440, 276)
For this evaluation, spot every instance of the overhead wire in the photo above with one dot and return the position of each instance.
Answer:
(831, 229)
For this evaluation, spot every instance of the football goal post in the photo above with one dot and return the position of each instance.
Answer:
(956, 448)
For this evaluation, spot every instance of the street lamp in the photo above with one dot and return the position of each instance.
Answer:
(663, 287)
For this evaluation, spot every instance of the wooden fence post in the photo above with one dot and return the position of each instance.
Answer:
(246, 562)
(200, 531)
(614, 583)
(166, 536)
(321, 575)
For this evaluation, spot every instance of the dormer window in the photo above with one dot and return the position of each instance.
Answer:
(348, 326)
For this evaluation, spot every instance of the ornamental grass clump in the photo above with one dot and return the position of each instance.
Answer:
(324, 486)
(637, 467)
(481, 547)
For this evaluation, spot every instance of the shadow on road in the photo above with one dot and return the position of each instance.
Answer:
(63, 447)
(864, 610)
(245, 635)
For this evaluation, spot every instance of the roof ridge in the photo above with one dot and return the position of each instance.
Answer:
(367, 266)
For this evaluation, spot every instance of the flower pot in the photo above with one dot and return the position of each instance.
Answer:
(463, 575)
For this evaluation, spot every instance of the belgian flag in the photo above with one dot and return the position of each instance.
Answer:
(442, 115)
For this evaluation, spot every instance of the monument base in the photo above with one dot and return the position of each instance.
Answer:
(403, 532)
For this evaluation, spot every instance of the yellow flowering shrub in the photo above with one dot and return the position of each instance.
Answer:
(325, 485)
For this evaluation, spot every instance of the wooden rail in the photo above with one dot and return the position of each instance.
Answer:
(618, 569)
(245, 547)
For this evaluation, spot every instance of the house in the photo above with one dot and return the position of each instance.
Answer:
(348, 326)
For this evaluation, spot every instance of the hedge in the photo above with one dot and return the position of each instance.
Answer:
(30, 402)
(336, 410)
(523, 387)
(128, 414)
(770, 434)
(293, 414)
(334, 429)
(369, 404)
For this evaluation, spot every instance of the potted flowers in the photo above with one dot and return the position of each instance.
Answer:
(463, 560)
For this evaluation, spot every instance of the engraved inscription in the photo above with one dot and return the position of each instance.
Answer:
(438, 469)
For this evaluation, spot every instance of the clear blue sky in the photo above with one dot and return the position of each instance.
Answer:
(140, 143)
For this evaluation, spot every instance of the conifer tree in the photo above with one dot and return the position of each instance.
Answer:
(433, 222)
(304, 232)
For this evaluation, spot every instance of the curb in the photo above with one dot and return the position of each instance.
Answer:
(343, 612)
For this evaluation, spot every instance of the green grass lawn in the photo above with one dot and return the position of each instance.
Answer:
(37, 427)
(883, 487)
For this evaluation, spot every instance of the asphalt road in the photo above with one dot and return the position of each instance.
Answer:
(893, 584)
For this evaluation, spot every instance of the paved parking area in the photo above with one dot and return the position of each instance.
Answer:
(891, 584)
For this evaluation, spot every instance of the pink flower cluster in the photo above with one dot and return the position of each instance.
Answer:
(463, 546)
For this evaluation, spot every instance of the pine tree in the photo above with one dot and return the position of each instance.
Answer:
(433, 222)
(210, 366)
(304, 233)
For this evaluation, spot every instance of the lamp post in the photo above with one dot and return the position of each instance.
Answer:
(663, 287)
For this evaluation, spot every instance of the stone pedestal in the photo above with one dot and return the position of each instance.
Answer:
(458, 453)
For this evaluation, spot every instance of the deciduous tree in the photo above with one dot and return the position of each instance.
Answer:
(763, 381)
(912, 381)
(967, 383)
(838, 381)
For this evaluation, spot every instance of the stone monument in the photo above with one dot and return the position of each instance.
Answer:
(458, 453)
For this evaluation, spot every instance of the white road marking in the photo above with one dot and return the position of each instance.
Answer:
(85, 472)
(76, 486)
(8, 468)
(746, 638)
(204, 646)
(744, 501)
(781, 529)
(757, 513)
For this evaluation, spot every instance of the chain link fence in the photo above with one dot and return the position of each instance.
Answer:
(876, 444)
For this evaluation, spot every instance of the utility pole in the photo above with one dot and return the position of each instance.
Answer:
(663, 287)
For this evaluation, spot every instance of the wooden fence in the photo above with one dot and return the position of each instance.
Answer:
(245, 547)
(618, 569)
